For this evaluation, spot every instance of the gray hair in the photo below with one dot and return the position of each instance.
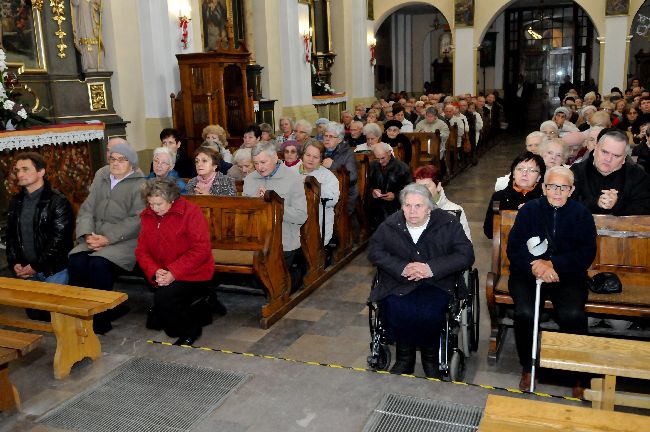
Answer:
(167, 152)
(584, 109)
(163, 187)
(432, 110)
(417, 189)
(289, 119)
(535, 134)
(304, 124)
(356, 123)
(335, 128)
(561, 170)
(264, 146)
(616, 135)
(372, 129)
(241, 155)
(547, 142)
(547, 124)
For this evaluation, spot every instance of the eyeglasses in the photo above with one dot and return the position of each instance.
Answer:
(159, 162)
(117, 160)
(525, 171)
(290, 151)
(330, 136)
(554, 187)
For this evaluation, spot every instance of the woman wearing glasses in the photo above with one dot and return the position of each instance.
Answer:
(526, 172)
(107, 227)
(163, 166)
(569, 228)
(291, 152)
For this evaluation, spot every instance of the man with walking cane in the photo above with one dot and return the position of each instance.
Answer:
(569, 230)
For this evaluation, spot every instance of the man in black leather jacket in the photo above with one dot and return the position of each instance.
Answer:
(40, 225)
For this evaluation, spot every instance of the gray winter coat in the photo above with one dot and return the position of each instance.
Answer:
(114, 214)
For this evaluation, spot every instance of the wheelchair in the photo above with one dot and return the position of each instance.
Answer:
(458, 338)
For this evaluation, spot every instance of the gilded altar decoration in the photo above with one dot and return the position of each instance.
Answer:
(37, 4)
(58, 10)
(21, 35)
(13, 114)
(97, 96)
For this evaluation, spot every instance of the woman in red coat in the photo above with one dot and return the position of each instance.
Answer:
(175, 254)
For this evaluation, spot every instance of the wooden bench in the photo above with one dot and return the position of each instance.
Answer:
(246, 236)
(361, 208)
(13, 345)
(71, 310)
(425, 148)
(509, 414)
(451, 152)
(311, 241)
(603, 356)
(623, 247)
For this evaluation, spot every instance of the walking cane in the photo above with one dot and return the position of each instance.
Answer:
(537, 248)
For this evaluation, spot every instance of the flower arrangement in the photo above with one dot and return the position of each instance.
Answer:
(13, 114)
(318, 86)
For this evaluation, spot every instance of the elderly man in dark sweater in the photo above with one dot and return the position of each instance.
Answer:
(387, 176)
(39, 227)
(607, 183)
(570, 231)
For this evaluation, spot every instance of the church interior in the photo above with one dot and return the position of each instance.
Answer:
(293, 347)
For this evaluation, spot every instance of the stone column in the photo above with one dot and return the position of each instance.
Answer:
(614, 53)
(464, 60)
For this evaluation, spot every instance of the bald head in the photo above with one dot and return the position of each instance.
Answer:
(382, 153)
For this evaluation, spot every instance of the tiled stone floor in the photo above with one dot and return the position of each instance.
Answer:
(330, 326)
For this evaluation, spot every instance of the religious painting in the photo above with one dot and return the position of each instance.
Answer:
(22, 39)
(464, 13)
(214, 16)
(617, 7)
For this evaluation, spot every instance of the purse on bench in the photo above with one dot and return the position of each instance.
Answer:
(605, 283)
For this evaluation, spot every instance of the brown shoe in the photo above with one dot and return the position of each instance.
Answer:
(524, 382)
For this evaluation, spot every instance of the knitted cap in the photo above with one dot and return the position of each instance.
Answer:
(127, 151)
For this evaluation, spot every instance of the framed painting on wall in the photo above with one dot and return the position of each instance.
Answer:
(464, 13)
(22, 37)
(214, 24)
(617, 7)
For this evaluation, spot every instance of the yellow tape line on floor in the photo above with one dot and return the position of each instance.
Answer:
(358, 369)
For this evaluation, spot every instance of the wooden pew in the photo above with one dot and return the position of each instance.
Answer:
(363, 167)
(509, 414)
(451, 152)
(310, 234)
(623, 247)
(12, 346)
(71, 309)
(425, 149)
(246, 235)
(342, 221)
(602, 356)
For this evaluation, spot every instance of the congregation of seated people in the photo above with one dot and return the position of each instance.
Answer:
(591, 155)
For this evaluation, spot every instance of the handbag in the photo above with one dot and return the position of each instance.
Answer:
(467, 145)
(605, 283)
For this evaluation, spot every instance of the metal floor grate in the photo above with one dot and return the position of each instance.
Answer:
(406, 414)
(146, 395)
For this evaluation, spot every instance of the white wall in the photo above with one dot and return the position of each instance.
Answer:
(295, 70)
(464, 66)
(615, 47)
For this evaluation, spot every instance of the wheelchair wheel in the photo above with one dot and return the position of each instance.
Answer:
(384, 357)
(457, 366)
(474, 311)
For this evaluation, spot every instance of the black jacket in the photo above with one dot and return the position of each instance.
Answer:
(53, 228)
(509, 199)
(400, 139)
(443, 246)
(392, 179)
(631, 182)
(642, 152)
(572, 247)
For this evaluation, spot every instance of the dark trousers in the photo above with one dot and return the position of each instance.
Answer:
(297, 267)
(91, 271)
(416, 318)
(568, 298)
(176, 307)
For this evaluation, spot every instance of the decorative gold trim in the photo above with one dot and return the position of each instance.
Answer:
(58, 10)
(97, 96)
(37, 4)
(84, 116)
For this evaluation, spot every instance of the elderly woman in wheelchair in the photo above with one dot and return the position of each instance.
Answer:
(419, 252)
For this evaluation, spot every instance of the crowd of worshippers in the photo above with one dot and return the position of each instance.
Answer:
(134, 219)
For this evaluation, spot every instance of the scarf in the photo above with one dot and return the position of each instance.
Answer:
(207, 183)
(290, 164)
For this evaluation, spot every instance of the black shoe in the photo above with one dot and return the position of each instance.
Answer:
(118, 311)
(405, 359)
(429, 357)
(188, 340)
(216, 306)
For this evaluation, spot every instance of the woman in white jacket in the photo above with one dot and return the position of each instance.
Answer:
(310, 165)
